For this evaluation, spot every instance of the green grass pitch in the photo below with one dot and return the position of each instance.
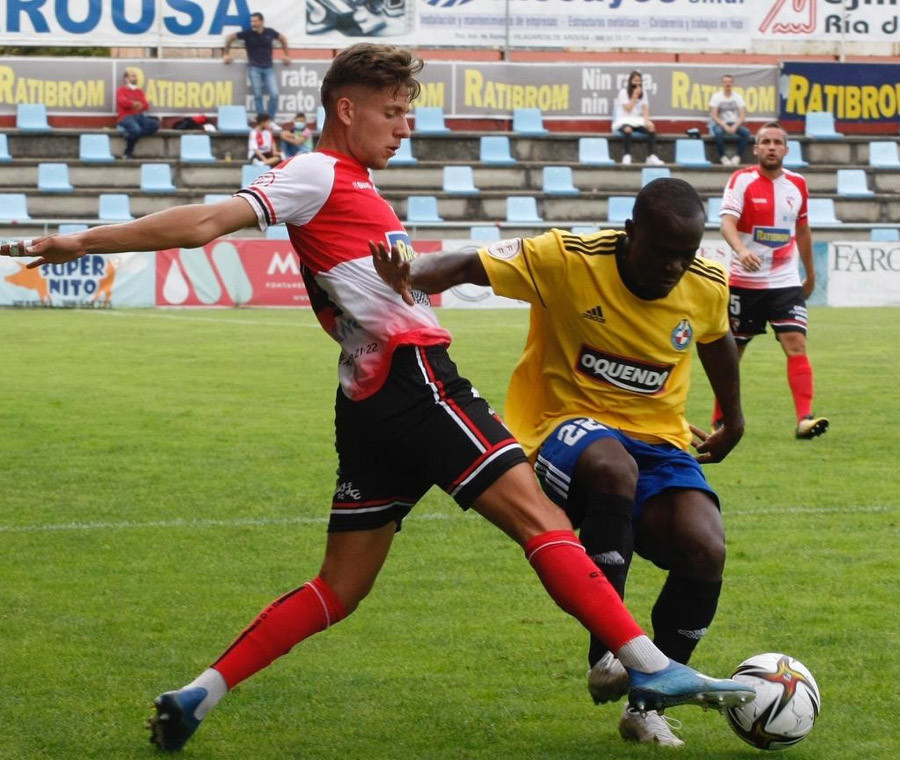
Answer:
(165, 474)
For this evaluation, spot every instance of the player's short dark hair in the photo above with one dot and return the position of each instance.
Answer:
(374, 66)
(666, 196)
(263, 117)
(258, 15)
(770, 125)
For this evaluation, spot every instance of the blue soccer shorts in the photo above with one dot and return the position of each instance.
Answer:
(660, 466)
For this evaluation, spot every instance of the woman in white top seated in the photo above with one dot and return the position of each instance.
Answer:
(632, 114)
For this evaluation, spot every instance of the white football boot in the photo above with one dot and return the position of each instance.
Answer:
(649, 727)
(607, 680)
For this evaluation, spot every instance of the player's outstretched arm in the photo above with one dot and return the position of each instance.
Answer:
(720, 362)
(179, 227)
(433, 273)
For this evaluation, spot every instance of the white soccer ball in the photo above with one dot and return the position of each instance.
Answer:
(786, 706)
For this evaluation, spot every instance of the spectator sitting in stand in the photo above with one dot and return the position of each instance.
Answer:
(296, 137)
(261, 147)
(631, 113)
(132, 107)
(727, 113)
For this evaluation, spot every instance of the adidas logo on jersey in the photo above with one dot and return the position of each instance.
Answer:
(596, 314)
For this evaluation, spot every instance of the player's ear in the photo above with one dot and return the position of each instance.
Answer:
(344, 110)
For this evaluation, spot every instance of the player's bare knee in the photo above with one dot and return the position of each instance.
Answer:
(702, 559)
(606, 470)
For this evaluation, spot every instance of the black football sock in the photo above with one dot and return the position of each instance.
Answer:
(607, 535)
(682, 614)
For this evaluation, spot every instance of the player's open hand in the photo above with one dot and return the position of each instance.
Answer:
(749, 260)
(392, 269)
(56, 249)
(715, 446)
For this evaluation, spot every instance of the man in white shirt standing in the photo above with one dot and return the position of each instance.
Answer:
(727, 113)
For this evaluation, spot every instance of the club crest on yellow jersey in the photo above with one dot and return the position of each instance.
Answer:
(682, 335)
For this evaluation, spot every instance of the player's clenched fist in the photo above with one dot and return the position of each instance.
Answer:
(56, 249)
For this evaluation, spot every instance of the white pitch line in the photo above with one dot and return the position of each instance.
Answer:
(265, 522)
(186, 318)
(255, 522)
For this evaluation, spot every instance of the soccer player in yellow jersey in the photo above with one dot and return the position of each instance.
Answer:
(598, 401)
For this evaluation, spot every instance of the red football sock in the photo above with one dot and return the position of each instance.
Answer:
(800, 379)
(287, 621)
(580, 588)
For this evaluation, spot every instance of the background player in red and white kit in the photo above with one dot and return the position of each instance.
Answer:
(764, 220)
(404, 419)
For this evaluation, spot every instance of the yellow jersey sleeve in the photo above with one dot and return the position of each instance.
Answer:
(530, 270)
(714, 272)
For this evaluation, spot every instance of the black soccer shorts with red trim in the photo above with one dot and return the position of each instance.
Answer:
(750, 308)
(426, 426)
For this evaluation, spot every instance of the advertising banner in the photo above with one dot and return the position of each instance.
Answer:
(864, 274)
(867, 93)
(123, 279)
(592, 24)
(462, 89)
(230, 272)
(852, 21)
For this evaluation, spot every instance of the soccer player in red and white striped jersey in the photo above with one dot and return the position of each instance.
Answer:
(405, 420)
(764, 220)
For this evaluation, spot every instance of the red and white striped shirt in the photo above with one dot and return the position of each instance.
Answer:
(768, 213)
(332, 210)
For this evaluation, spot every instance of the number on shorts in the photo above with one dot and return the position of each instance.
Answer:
(574, 431)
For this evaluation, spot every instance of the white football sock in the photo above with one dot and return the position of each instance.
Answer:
(216, 688)
(642, 654)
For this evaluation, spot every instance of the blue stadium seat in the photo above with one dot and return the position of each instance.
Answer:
(594, 151)
(277, 232)
(404, 155)
(459, 180)
(95, 149)
(54, 178)
(528, 121)
(484, 233)
(883, 155)
(196, 149)
(690, 152)
(494, 150)
(852, 183)
(650, 173)
(32, 117)
(156, 178)
(232, 120)
(820, 125)
(885, 234)
(216, 197)
(713, 210)
(557, 180)
(522, 208)
(821, 211)
(794, 157)
(422, 208)
(430, 120)
(114, 207)
(585, 229)
(620, 208)
(250, 172)
(13, 207)
(4, 149)
(66, 229)
(320, 118)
